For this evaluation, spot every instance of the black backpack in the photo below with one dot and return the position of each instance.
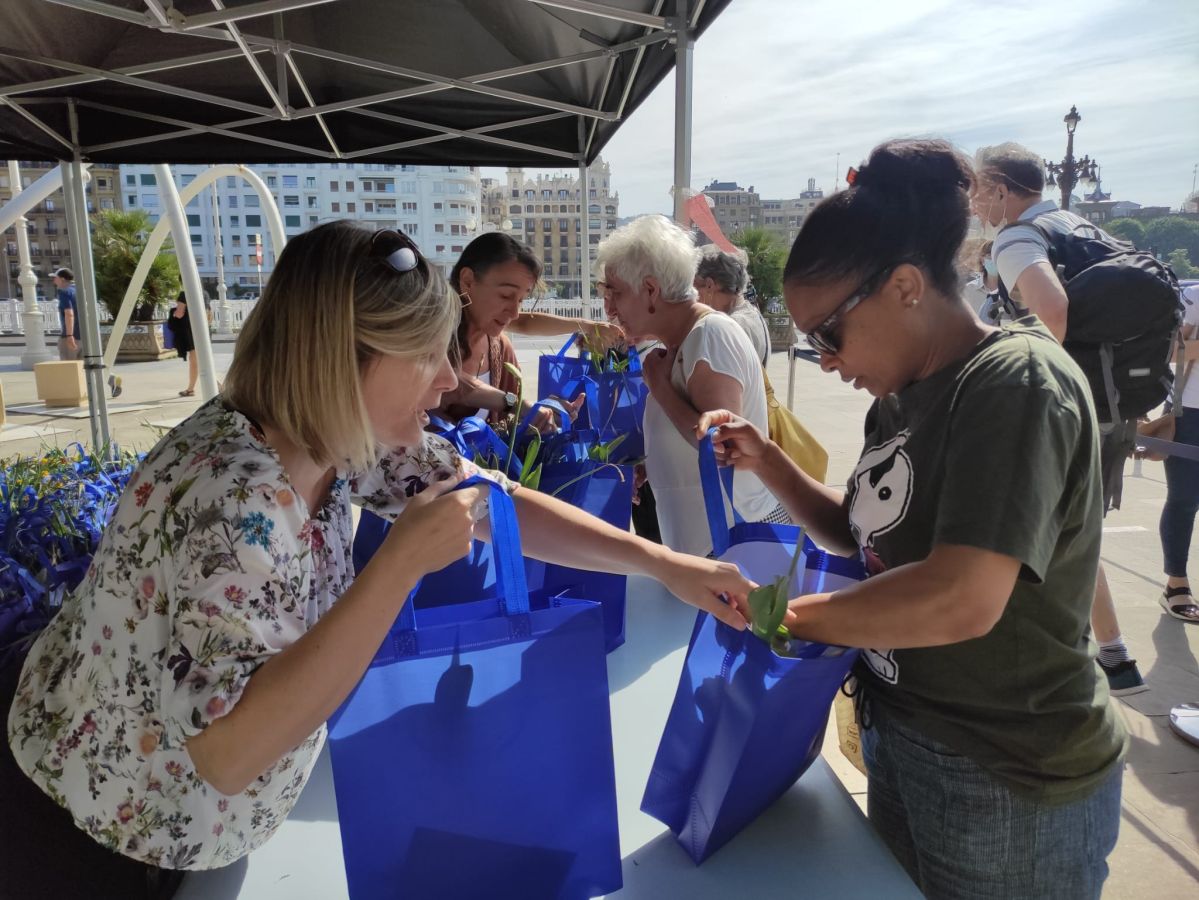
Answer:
(1123, 319)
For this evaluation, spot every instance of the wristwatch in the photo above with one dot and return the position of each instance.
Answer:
(510, 401)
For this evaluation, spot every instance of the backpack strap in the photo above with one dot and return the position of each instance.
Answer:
(1107, 364)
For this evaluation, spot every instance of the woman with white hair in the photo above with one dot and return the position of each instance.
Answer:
(720, 281)
(707, 363)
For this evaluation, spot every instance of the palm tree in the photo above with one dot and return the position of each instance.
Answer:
(118, 241)
(765, 264)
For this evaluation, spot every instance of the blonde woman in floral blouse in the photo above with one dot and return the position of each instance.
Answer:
(169, 716)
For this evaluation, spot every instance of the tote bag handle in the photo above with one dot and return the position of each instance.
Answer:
(716, 483)
(511, 585)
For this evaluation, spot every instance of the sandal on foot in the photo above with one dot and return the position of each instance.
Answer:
(1184, 609)
(188, 393)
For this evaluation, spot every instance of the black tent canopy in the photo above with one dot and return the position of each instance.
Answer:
(472, 82)
(464, 82)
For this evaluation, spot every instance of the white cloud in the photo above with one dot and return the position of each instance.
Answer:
(782, 87)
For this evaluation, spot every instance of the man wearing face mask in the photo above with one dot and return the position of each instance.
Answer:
(1010, 180)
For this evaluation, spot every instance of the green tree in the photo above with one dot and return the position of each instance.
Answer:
(766, 257)
(1170, 233)
(118, 241)
(1181, 264)
(1127, 230)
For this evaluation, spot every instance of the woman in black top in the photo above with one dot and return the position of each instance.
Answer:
(180, 324)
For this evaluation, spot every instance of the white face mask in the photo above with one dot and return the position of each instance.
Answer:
(989, 231)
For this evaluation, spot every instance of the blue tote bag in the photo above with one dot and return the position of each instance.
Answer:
(606, 492)
(616, 406)
(474, 758)
(559, 375)
(745, 723)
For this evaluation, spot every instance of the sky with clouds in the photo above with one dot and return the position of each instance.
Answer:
(783, 86)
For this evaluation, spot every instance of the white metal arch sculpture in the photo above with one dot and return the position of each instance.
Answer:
(159, 234)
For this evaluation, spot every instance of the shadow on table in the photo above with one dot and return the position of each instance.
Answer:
(657, 625)
(803, 845)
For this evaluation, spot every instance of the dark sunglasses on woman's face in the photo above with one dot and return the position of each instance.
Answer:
(824, 338)
(396, 249)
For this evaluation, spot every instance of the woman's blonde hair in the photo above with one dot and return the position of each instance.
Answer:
(334, 304)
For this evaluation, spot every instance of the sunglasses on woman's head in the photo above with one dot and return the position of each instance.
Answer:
(396, 249)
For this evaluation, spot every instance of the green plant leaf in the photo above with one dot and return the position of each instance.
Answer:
(768, 603)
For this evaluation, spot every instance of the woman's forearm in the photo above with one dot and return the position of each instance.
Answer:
(539, 324)
(295, 691)
(683, 416)
(956, 594)
(558, 533)
(819, 508)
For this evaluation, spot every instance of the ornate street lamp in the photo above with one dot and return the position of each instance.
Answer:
(1070, 171)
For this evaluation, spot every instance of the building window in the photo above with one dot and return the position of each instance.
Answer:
(149, 179)
(292, 200)
(563, 224)
(368, 186)
(250, 201)
(368, 206)
(454, 229)
(333, 185)
(291, 221)
(231, 181)
(131, 199)
(562, 241)
(549, 240)
(149, 200)
(253, 221)
(457, 248)
(410, 207)
(237, 259)
(231, 202)
(350, 208)
(197, 240)
(272, 181)
(234, 221)
(237, 240)
(439, 228)
(193, 220)
(291, 181)
(438, 205)
(106, 203)
(312, 203)
(130, 180)
(310, 181)
(441, 248)
(349, 186)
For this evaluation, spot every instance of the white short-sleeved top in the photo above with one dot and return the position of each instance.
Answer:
(672, 462)
(753, 324)
(1015, 249)
(210, 565)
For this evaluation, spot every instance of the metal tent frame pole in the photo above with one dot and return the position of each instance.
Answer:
(87, 310)
(584, 223)
(683, 60)
(197, 309)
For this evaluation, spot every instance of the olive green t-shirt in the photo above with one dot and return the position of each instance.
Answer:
(999, 451)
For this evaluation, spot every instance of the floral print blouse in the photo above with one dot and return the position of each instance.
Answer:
(211, 564)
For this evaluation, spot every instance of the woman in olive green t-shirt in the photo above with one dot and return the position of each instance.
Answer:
(993, 750)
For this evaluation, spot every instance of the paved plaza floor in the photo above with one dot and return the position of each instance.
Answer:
(1158, 852)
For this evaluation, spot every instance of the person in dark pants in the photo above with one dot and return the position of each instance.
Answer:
(180, 324)
(1182, 489)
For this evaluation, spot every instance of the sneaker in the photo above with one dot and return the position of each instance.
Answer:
(1124, 678)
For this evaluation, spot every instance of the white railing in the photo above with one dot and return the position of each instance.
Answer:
(10, 316)
(570, 308)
